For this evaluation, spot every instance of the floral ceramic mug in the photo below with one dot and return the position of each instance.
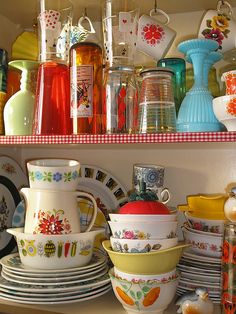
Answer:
(230, 82)
(219, 25)
(154, 37)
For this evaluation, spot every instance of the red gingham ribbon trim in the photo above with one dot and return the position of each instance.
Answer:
(120, 138)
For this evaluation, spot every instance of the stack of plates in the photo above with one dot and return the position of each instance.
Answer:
(23, 284)
(200, 271)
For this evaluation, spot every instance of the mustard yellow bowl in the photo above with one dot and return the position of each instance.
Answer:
(156, 262)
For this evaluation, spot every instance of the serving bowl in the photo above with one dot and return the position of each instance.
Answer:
(203, 243)
(137, 277)
(203, 224)
(141, 245)
(55, 251)
(153, 296)
(224, 108)
(143, 230)
(143, 218)
(155, 262)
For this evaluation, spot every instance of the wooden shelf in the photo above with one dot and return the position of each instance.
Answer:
(191, 137)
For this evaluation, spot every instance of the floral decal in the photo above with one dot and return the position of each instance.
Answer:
(118, 247)
(204, 246)
(231, 107)
(152, 34)
(53, 177)
(201, 226)
(52, 222)
(7, 167)
(217, 28)
(131, 234)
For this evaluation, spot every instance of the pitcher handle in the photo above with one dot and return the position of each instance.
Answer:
(95, 209)
(165, 196)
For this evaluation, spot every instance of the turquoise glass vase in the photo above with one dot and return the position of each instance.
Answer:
(196, 111)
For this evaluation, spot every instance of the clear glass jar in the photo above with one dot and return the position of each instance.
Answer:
(120, 100)
(156, 112)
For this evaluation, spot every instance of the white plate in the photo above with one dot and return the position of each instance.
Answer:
(47, 278)
(98, 282)
(197, 270)
(190, 255)
(77, 299)
(200, 277)
(38, 282)
(12, 179)
(109, 193)
(12, 261)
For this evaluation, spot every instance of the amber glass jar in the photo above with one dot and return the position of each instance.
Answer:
(86, 88)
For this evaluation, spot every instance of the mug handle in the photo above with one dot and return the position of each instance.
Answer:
(156, 11)
(221, 4)
(165, 192)
(95, 209)
(91, 30)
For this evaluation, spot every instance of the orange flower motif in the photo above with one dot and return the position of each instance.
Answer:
(225, 279)
(227, 252)
(228, 303)
(231, 107)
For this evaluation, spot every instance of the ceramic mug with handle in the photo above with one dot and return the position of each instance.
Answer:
(54, 211)
(219, 25)
(154, 37)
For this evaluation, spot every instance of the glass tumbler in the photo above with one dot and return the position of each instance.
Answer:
(120, 100)
(179, 77)
(120, 25)
(52, 106)
(228, 298)
(156, 111)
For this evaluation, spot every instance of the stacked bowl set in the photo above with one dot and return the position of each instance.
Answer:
(55, 253)
(203, 230)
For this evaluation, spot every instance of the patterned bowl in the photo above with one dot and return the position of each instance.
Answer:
(54, 174)
(141, 246)
(143, 230)
(224, 108)
(151, 296)
(203, 224)
(203, 243)
(144, 218)
(155, 262)
(55, 251)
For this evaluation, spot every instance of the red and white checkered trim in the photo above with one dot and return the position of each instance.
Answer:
(121, 138)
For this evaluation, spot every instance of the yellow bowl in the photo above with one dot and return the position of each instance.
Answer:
(155, 262)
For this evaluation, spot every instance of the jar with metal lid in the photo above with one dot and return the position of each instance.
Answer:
(156, 112)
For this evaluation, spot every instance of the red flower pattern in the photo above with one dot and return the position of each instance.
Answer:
(153, 34)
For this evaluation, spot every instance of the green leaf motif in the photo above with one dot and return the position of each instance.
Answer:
(67, 177)
(47, 176)
(132, 294)
(145, 289)
(139, 295)
(124, 286)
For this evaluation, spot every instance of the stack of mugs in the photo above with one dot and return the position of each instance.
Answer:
(52, 237)
(143, 236)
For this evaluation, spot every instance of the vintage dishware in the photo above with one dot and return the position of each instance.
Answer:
(225, 111)
(54, 251)
(230, 82)
(230, 206)
(196, 113)
(54, 174)
(141, 245)
(204, 224)
(154, 37)
(82, 30)
(203, 243)
(54, 212)
(154, 296)
(143, 230)
(146, 263)
(219, 25)
(144, 207)
(137, 277)
(142, 218)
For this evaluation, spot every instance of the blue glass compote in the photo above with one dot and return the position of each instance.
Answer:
(196, 112)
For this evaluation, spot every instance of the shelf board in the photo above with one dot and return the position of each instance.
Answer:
(188, 137)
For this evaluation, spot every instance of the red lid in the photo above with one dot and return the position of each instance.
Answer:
(144, 207)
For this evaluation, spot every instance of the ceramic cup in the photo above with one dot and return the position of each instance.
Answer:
(220, 26)
(230, 82)
(54, 174)
(153, 176)
(80, 32)
(154, 37)
(54, 211)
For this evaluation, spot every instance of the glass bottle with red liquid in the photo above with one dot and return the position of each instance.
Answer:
(86, 66)
(52, 108)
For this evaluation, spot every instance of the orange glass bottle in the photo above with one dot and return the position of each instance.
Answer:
(86, 88)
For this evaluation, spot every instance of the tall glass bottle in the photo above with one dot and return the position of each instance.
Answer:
(3, 86)
(86, 87)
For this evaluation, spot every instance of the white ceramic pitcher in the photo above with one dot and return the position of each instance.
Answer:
(54, 211)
